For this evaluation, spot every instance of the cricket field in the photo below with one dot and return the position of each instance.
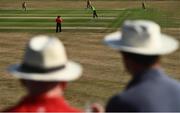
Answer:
(104, 74)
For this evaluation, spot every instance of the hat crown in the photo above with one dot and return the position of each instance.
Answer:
(45, 52)
(141, 34)
(142, 37)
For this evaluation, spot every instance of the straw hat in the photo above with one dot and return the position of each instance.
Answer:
(45, 60)
(141, 37)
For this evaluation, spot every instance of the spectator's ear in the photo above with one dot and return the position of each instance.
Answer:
(97, 108)
(63, 85)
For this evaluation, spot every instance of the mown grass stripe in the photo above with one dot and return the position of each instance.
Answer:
(79, 17)
(83, 21)
(54, 15)
(53, 20)
(53, 30)
(149, 14)
(52, 27)
(57, 11)
(53, 24)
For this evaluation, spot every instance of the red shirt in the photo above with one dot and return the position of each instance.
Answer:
(43, 104)
(59, 20)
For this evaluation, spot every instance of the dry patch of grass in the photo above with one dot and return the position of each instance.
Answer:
(171, 62)
(100, 68)
(167, 5)
(103, 76)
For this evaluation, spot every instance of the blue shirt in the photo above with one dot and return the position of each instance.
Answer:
(151, 91)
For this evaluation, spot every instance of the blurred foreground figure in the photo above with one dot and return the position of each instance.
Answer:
(44, 72)
(24, 6)
(141, 44)
(143, 5)
(88, 4)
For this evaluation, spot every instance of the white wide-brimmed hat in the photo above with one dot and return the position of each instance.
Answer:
(141, 37)
(45, 60)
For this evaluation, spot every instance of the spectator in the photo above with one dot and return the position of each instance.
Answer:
(59, 20)
(141, 44)
(44, 72)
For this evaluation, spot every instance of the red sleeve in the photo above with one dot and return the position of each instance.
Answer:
(61, 19)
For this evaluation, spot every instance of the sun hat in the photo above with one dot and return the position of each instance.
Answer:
(141, 37)
(45, 60)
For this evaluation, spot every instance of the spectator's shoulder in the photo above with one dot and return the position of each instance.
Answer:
(118, 103)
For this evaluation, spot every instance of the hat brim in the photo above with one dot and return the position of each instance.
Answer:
(168, 45)
(72, 71)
